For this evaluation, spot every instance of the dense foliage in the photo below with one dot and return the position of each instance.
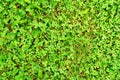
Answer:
(59, 39)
